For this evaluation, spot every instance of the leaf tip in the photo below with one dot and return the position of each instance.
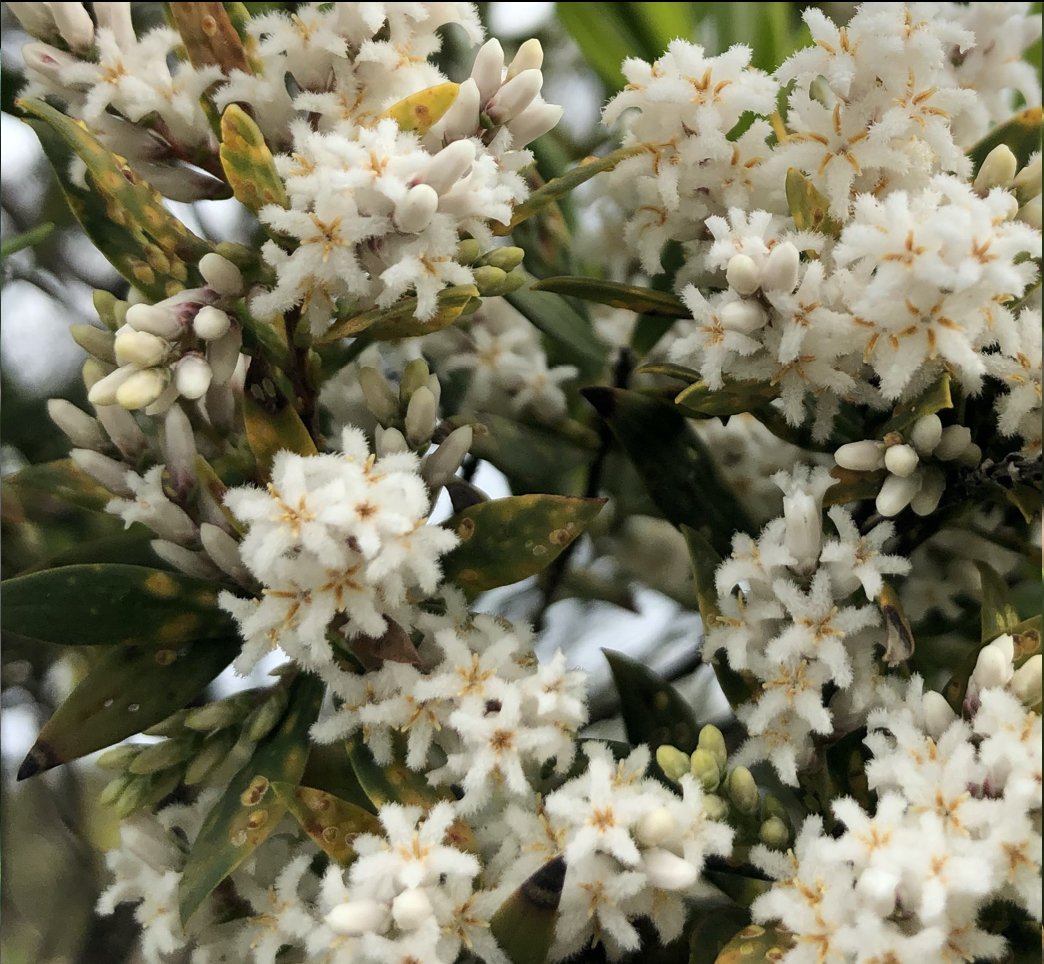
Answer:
(40, 758)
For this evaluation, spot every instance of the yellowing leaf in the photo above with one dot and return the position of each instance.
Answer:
(423, 110)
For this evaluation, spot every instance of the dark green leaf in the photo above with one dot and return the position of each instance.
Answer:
(272, 423)
(572, 339)
(506, 540)
(647, 301)
(524, 925)
(27, 239)
(394, 782)
(111, 603)
(128, 690)
(400, 321)
(248, 163)
(933, 399)
(330, 769)
(999, 614)
(248, 810)
(714, 928)
(733, 398)
(756, 942)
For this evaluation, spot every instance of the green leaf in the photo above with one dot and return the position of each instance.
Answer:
(248, 163)
(1025, 498)
(603, 36)
(329, 769)
(999, 614)
(112, 604)
(524, 925)
(506, 540)
(899, 643)
(853, 486)
(331, 822)
(673, 463)
(756, 942)
(933, 399)
(653, 711)
(27, 239)
(670, 370)
(248, 812)
(399, 320)
(733, 398)
(121, 214)
(61, 479)
(1022, 134)
(128, 690)
(570, 181)
(572, 338)
(647, 301)
(272, 424)
(808, 207)
(714, 929)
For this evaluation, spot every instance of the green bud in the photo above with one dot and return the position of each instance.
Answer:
(134, 796)
(162, 756)
(674, 763)
(705, 769)
(415, 375)
(106, 304)
(211, 755)
(489, 280)
(471, 306)
(159, 785)
(714, 806)
(114, 789)
(774, 833)
(819, 90)
(267, 714)
(119, 757)
(515, 280)
(380, 399)
(95, 342)
(713, 742)
(771, 807)
(173, 725)
(507, 259)
(468, 251)
(218, 715)
(743, 791)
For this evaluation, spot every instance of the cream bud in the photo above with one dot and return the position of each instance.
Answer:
(192, 376)
(139, 348)
(667, 871)
(220, 274)
(901, 460)
(781, 268)
(357, 917)
(210, 323)
(742, 274)
(865, 456)
(142, 388)
(744, 316)
(416, 208)
(896, 493)
(411, 909)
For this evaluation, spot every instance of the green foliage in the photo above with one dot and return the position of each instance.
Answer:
(27, 239)
(1022, 134)
(570, 336)
(524, 925)
(331, 822)
(248, 163)
(808, 207)
(647, 301)
(999, 614)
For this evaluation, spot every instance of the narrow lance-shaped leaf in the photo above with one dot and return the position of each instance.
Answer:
(61, 479)
(248, 810)
(248, 162)
(128, 690)
(400, 321)
(899, 643)
(570, 337)
(715, 927)
(111, 603)
(933, 399)
(331, 822)
(733, 398)
(423, 110)
(122, 215)
(209, 36)
(272, 424)
(647, 301)
(999, 614)
(653, 711)
(507, 540)
(756, 943)
(524, 925)
(1022, 134)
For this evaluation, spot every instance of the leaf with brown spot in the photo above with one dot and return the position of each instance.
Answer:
(249, 811)
(400, 321)
(899, 643)
(757, 942)
(209, 36)
(248, 163)
(331, 822)
(423, 110)
(999, 613)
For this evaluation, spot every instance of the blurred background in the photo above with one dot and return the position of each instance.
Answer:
(52, 831)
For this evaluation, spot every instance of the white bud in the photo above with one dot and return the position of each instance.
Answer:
(220, 274)
(416, 208)
(411, 909)
(926, 434)
(380, 399)
(358, 917)
(1025, 683)
(742, 274)
(865, 456)
(139, 348)
(117, 18)
(1027, 182)
(535, 121)
(46, 60)
(390, 441)
(35, 19)
(224, 552)
(82, 430)
(1030, 213)
(938, 714)
(210, 322)
(804, 530)
(667, 871)
(223, 354)
(105, 471)
(896, 493)
(142, 388)
(442, 464)
(103, 391)
(992, 668)
(169, 521)
(530, 56)
(185, 560)
(167, 397)
(192, 375)
(179, 448)
(929, 495)
(74, 24)
(901, 460)
(155, 319)
(998, 170)
(449, 165)
(1010, 205)
(955, 439)
(971, 456)
(745, 316)
(515, 96)
(655, 827)
(462, 118)
(123, 429)
(488, 69)
(420, 416)
(781, 268)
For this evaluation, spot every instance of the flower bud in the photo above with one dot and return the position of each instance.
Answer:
(926, 434)
(535, 121)
(901, 460)
(357, 917)
(865, 456)
(82, 430)
(449, 166)
(420, 416)
(224, 552)
(411, 909)
(674, 763)
(210, 322)
(804, 530)
(184, 560)
(1030, 213)
(159, 320)
(1025, 683)
(998, 170)
(179, 448)
(462, 118)
(94, 371)
(265, 716)
(47, 60)
(774, 833)
(667, 871)
(529, 56)
(103, 391)
(704, 768)
(416, 208)
(443, 463)
(742, 790)
(515, 96)
(35, 18)
(744, 316)
(389, 441)
(142, 388)
(161, 756)
(192, 376)
(380, 399)
(896, 494)
(117, 18)
(74, 24)
(712, 740)
(993, 666)
(105, 471)
(929, 495)
(223, 356)
(214, 716)
(971, 456)
(139, 348)
(488, 69)
(742, 274)
(955, 439)
(488, 279)
(507, 258)
(118, 757)
(173, 725)
(1027, 182)
(714, 806)
(114, 789)
(938, 714)
(221, 275)
(468, 251)
(655, 827)
(780, 272)
(211, 755)
(95, 341)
